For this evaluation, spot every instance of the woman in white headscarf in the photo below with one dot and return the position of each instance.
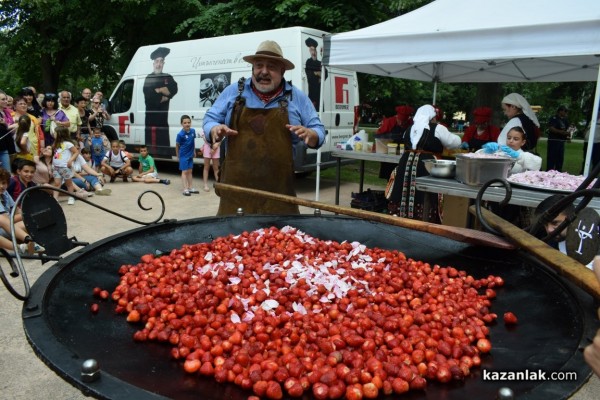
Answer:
(425, 139)
(425, 116)
(520, 113)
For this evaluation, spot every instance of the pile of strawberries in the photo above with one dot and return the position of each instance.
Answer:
(277, 311)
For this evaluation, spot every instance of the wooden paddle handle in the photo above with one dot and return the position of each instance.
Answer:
(460, 234)
(563, 264)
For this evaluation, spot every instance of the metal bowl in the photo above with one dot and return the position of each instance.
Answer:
(440, 168)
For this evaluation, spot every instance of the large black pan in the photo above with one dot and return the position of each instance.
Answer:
(555, 317)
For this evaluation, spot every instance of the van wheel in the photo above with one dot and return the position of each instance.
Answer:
(110, 133)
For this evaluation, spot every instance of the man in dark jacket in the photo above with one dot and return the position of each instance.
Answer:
(557, 136)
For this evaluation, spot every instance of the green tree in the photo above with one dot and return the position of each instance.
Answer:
(61, 44)
(240, 16)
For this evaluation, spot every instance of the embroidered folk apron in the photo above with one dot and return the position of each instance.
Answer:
(258, 157)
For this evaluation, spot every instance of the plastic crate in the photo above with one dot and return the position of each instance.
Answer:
(370, 200)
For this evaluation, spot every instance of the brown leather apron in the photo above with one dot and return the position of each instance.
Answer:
(259, 157)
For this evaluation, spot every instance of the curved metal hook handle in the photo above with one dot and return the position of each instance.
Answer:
(504, 202)
(18, 269)
(139, 202)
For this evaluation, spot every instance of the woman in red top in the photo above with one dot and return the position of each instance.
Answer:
(394, 128)
(481, 131)
(398, 123)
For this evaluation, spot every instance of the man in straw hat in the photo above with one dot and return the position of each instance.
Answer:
(262, 119)
(159, 89)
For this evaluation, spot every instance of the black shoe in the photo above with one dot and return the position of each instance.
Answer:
(113, 178)
(165, 181)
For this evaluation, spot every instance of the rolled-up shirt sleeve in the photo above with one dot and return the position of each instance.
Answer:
(448, 139)
(220, 112)
(302, 112)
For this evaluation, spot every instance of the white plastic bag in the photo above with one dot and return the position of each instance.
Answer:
(359, 137)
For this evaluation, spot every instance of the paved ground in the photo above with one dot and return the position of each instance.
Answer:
(22, 375)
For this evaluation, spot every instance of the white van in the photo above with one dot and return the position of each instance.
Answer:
(202, 68)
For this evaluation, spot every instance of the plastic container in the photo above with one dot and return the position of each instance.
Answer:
(381, 145)
(392, 148)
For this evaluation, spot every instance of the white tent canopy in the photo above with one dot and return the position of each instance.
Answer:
(475, 41)
(479, 41)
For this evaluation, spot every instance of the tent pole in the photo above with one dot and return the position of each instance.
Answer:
(320, 113)
(592, 135)
(434, 92)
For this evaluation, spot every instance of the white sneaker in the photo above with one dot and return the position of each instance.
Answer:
(103, 192)
(71, 200)
(38, 248)
(23, 249)
(84, 193)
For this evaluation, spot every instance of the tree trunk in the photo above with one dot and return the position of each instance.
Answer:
(489, 94)
(50, 75)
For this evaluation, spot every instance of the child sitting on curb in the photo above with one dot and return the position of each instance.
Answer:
(27, 245)
(86, 177)
(116, 163)
(147, 171)
(22, 179)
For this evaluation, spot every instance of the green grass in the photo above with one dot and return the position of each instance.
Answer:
(351, 172)
(573, 156)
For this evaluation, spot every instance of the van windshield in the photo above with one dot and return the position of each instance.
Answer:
(121, 100)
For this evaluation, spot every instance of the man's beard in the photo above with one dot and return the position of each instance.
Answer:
(268, 85)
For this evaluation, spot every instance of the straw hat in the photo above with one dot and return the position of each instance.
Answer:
(270, 50)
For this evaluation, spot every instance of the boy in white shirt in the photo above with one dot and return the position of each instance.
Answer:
(116, 163)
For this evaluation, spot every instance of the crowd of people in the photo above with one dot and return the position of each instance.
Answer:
(56, 141)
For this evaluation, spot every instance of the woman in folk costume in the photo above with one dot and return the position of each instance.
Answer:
(520, 113)
(393, 128)
(425, 139)
(481, 132)
(396, 124)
